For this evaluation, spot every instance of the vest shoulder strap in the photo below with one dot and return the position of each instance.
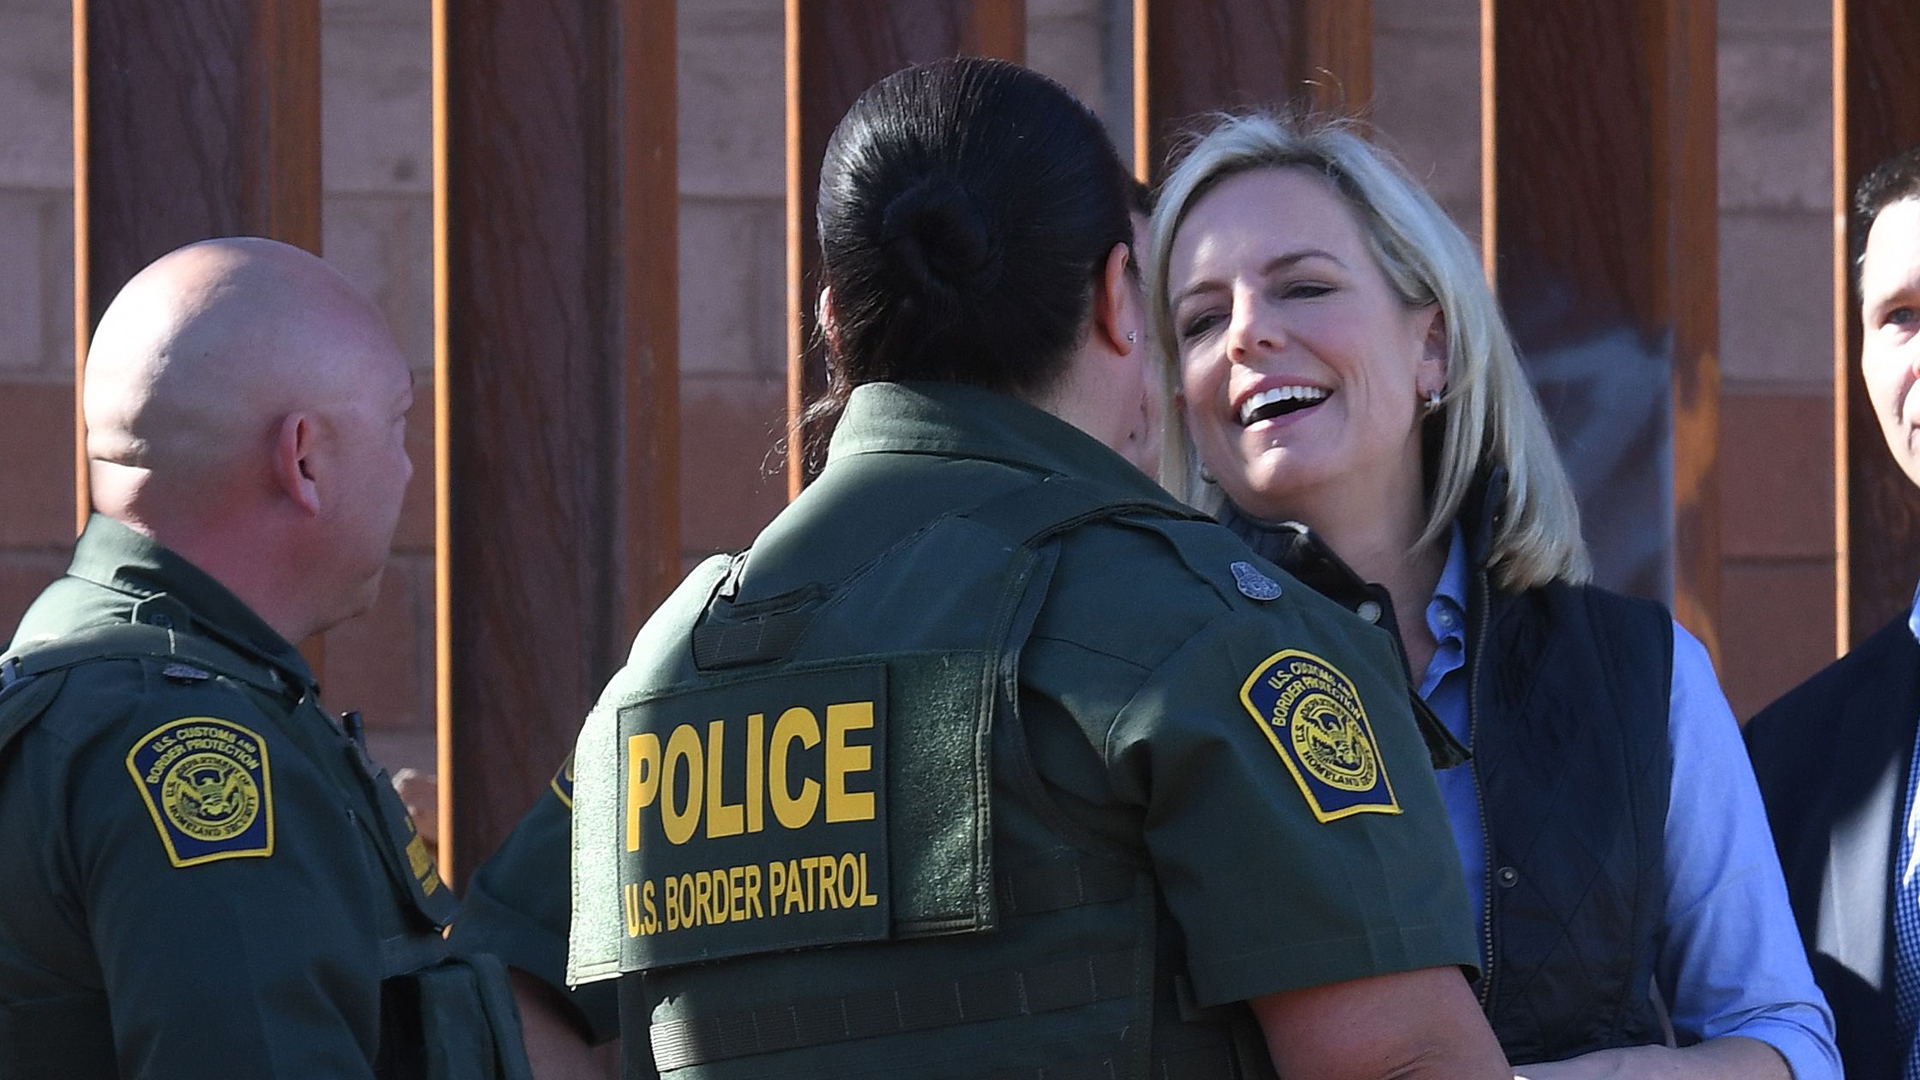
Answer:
(22, 699)
(1035, 513)
(140, 641)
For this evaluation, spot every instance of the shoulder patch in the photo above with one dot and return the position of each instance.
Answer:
(207, 785)
(1314, 717)
(1252, 583)
(562, 782)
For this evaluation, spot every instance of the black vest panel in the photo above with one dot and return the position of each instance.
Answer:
(1569, 697)
(1570, 704)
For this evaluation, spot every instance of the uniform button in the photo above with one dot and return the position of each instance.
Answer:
(1446, 619)
(1368, 610)
(162, 622)
(1509, 877)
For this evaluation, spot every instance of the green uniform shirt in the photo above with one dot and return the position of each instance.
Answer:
(1134, 702)
(517, 905)
(197, 875)
(1180, 700)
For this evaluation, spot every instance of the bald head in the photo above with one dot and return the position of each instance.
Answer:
(205, 348)
(224, 381)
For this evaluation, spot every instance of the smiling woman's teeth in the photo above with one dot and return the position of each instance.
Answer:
(1278, 402)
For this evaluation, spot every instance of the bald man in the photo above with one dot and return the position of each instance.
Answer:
(201, 873)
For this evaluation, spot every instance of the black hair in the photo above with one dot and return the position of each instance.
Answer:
(1142, 198)
(967, 208)
(1893, 180)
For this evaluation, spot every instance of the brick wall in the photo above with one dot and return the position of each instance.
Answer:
(1776, 346)
(36, 298)
(1776, 326)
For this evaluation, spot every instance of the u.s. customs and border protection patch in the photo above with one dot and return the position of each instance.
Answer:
(1314, 717)
(207, 784)
(562, 782)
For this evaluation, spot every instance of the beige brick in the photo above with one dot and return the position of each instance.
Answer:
(414, 534)
(733, 287)
(377, 98)
(381, 663)
(36, 93)
(22, 310)
(1426, 107)
(732, 478)
(732, 89)
(363, 9)
(36, 465)
(1776, 628)
(1776, 299)
(1805, 16)
(1776, 122)
(22, 575)
(384, 245)
(1086, 45)
(1776, 476)
(1425, 15)
(409, 748)
(56, 285)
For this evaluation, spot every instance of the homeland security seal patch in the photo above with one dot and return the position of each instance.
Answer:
(207, 785)
(1313, 716)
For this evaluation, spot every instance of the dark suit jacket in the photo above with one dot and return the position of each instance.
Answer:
(1832, 758)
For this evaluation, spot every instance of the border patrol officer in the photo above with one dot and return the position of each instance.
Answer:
(204, 875)
(990, 759)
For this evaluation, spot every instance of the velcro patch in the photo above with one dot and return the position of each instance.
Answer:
(1314, 717)
(562, 782)
(206, 783)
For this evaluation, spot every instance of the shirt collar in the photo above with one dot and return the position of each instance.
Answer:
(952, 420)
(1913, 616)
(1450, 595)
(139, 569)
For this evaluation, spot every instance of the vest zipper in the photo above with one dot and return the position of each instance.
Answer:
(1474, 660)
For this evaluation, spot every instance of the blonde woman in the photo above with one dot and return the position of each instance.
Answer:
(1352, 406)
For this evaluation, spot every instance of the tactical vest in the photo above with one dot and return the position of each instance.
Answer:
(442, 1017)
(810, 839)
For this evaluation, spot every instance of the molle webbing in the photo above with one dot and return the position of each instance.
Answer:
(993, 995)
(1067, 883)
(1045, 887)
(1208, 1063)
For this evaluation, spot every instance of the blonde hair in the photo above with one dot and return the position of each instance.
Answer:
(1488, 414)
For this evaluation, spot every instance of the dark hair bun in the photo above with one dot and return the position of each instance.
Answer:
(966, 210)
(938, 241)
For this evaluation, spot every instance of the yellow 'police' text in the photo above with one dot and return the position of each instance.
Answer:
(681, 780)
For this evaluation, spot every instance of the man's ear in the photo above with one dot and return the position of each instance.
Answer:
(293, 462)
(1118, 309)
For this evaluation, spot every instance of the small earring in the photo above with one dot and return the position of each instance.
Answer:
(1433, 401)
(1132, 336)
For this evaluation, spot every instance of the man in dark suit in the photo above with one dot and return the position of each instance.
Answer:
(1836, 756)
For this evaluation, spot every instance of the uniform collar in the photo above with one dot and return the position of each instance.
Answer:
(951, 420)
(140, 580)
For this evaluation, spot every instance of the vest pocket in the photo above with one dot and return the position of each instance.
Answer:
(824, 804)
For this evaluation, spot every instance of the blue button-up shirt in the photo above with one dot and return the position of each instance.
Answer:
(1731, 962)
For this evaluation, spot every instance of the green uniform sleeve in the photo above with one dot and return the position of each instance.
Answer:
(258, 965)
(1291, 811)
(519, 904)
